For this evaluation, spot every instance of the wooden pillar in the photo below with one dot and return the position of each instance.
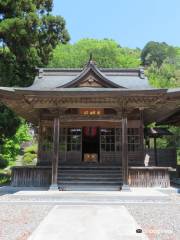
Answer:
(125, 186)
(39, 154)
(55, 157)
(141, 113)
(155, 152)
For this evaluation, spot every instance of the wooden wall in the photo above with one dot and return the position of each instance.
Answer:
(45, 151)
(31, 176)
(138, 177)
(149, 177)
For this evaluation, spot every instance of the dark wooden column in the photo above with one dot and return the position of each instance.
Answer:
(55, 157)
(141, 117)
(155, 152)
(125, 186)
(39, 155)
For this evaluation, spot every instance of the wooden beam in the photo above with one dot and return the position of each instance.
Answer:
(74, 105)
(55, 159)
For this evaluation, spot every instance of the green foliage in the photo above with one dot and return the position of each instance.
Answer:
(170, 141)
(9, 123)
(29, 159)
(28, 33)
(158, 53)
(30, 154)
(3, 162)
(107, 53)
(165, 76)
(31, 149)
(178, 156)
(11, 147)
(177, 58)
(4, 179)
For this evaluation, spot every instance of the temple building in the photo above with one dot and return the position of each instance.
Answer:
(92, 128)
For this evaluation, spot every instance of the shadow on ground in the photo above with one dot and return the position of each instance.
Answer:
(8, 189)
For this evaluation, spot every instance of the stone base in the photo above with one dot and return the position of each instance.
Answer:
(53, 187)
(125, 188)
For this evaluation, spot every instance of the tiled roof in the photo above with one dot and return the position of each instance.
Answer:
(51, 78)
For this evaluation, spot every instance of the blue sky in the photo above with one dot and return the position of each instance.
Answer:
(131, 23)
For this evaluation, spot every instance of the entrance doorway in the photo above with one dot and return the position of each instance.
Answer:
(90, 144)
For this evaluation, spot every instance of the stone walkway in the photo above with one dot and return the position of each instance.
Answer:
(87, 223)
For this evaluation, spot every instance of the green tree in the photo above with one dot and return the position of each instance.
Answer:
(28, 33)
(11, 145)
(106, 53)
(157, 52)
(165, 76)
(9, 123)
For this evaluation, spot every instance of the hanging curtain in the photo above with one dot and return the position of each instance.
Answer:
(90, 131)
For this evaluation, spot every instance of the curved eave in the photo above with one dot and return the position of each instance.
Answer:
(172, 118)
(7, 90)
(18, 104)
(174, 93)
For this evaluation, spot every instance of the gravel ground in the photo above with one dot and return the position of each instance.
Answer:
(17, 222)
(159, 220)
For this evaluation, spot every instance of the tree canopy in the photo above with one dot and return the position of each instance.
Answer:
(106, 53)
(28, 34)
(158, 53)
(161, 61)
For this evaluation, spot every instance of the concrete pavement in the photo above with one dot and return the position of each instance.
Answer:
(88, 222)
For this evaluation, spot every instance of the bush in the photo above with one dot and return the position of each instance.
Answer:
(3, 163)
(4, 179)
(29, 159)
(31, 149)
(30, 155)
(10, 148)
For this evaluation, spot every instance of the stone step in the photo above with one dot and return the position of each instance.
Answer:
(89, 167)
(94, 179)
(90, 181)
(89, 176)
(90, 171)
(90, 187)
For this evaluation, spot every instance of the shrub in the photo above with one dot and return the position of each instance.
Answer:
(4, 179)
(30, 155)
(3, 162)
(31, 149)
(178, 156)
(29, 159)
(10, 148)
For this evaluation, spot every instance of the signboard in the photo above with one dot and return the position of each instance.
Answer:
(91, 111)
